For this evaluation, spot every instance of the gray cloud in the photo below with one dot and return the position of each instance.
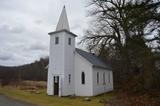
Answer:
(11, 29)
(24, 27)
(4, 56)
(37, 46)
(38, 22)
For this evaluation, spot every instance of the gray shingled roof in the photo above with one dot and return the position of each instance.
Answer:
(93, 59)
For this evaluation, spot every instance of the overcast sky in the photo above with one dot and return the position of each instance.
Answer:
(24, 27)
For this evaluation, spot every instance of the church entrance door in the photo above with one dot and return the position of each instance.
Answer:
(56, 85)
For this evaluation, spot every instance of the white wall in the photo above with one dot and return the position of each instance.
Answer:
(100, 87)
(49, 83)
(56, 60)
(61, 63)
(56, 57)
(82, 65)
(69, 65)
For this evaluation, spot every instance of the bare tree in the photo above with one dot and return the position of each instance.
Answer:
(117, 21)
(123, 30)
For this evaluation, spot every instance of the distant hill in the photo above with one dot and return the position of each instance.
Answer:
(33, 71)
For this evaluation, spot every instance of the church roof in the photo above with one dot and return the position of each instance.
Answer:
(93, 59)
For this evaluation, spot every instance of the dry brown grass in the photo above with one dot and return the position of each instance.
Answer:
(42, 99)
(34, 84)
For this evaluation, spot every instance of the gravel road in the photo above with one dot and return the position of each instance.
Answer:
(6, 101)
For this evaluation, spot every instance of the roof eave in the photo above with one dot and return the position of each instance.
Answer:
(102, 67)
(63, 30)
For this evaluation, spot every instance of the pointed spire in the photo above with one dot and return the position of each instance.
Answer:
(63, 21)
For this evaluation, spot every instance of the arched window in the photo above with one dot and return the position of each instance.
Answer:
(83, 77)
(97, 77)
(104, 79)
(109, 79)
(69, 78)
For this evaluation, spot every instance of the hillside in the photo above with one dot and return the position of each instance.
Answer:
(33, 71)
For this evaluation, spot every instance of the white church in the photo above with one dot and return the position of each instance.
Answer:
(72, 71)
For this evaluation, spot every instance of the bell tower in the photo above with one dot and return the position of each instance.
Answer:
(61, 59)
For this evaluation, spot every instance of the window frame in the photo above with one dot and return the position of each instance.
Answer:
(104, 78)
(69, 41)
(109, 79)
(69, 78)
(56, 40)
(97, 77)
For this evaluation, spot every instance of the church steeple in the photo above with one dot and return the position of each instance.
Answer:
(63, 21)
(61, 59)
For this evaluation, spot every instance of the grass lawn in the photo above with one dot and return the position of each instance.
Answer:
(42, 99)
